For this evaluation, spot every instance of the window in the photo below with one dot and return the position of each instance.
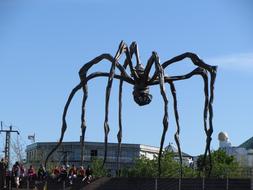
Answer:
(93, 153)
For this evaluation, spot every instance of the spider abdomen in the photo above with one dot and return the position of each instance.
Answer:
(141, 95)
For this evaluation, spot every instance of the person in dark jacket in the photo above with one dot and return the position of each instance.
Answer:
(42, 172)
(16, 174)
(3, 167)
(63, 174)
(88, 173)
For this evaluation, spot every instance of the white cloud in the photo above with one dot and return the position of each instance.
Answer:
(239, 62)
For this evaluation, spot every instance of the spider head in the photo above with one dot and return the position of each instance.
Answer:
(142, 96)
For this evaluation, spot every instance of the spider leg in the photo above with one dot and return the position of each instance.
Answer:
(122, 49)
(212, 72)
(160, 71)
(64, 123)
(122, 79)
(133, 49)
(83, 122)
(119, 135)
(176, 136)
(83, 76)
(150, 62)
(203, 73)
(196, 61)
(210, 108)
(85, 95)
(207, 131)
(105, 74)
(173, 91)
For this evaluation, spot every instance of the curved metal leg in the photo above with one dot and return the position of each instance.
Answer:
(119, 135)
(83, 121)
(210, 130)
(122, 49)
(212, 72)
(176, 136)
(64, 123)
(160, 70)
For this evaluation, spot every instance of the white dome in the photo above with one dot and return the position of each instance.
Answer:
(223, 136)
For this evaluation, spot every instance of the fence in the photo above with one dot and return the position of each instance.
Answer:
(174, 184)
(107, 183)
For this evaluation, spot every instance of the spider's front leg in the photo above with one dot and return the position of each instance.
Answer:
(154, 59)
(64, 123)
(84, 79)
(83, 76)
(122, 49)
(133, 50)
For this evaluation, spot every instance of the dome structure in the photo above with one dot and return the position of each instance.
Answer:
(171, 148)
(223, 136)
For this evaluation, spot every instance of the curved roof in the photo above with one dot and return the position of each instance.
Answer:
(172, 148)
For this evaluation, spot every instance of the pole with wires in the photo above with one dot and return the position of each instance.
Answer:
(7, 143)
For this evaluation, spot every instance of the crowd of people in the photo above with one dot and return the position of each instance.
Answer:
(63, 173)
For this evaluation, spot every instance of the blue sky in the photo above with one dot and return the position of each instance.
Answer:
(43, 44)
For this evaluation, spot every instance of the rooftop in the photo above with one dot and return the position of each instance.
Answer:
(248, 144)
(88, 143)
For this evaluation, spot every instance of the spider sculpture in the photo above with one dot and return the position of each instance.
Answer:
(141, 80)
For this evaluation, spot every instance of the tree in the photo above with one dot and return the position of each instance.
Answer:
(97, 168)
(145, 167)
(223, 165)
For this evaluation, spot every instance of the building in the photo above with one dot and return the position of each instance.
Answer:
(243, 153)
(69, 153)
(187, 159)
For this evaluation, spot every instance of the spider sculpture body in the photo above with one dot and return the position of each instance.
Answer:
(141, 80)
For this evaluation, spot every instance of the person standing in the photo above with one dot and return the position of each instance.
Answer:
(16, 174)
(63, 174)
(72, 174)
(88, 173)
(41, 173)
(81, 172)
(3, 167)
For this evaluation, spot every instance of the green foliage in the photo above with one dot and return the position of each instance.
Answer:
(223, 165)
(97, 169)
(145, 167)
(169, 167)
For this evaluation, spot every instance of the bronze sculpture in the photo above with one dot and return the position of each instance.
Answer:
(141, 80)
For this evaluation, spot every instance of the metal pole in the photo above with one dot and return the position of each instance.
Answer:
(251, 174)
(7, 148)
(155, 183)
(179, 183)
(10, 183)
(63, 185)
(28, 184)
(227, 183)
(203, 183)
(7, 143)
